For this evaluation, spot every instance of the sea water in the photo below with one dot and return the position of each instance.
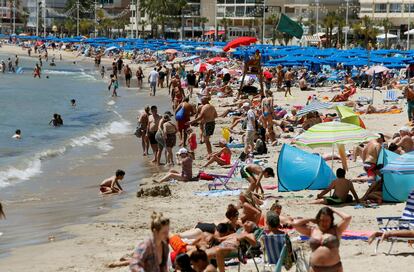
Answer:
(28, 104)
(37, 188)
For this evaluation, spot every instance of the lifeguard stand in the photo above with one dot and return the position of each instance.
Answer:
(253, 67)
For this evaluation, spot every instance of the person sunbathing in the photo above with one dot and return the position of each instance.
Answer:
(392, 233)
(230, 244)
(186, 171)
(249, 203)
(370, 109)
(341, 187)
(344, 96)
(221, 157)
(273, 225)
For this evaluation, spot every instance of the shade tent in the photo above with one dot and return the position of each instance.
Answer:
(402, 165)
(396, 187)
(311, 171)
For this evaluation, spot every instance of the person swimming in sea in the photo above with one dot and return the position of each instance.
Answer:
(56, 121)
(17, 135)
(73, 102)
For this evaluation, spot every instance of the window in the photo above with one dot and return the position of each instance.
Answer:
(220, 1)
(230, 11)
(239, 11)
(381, 8)
(240, 1)
(409, 8)
(395, 7)
(229, 1)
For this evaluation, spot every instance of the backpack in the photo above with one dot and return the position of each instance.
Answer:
(179, 116)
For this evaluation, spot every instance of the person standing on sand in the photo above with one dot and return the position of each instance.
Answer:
(170, 133)
(288, 81)
(103, 71)
(119, 64)
(370, 154)
(409, 95)
(208, 115)
(191, 81)
(183, 123)
(143, 124)
(152, 80)
(153, 122)
(128, 75)
(152, 254)
(111, 185)
(140, 76)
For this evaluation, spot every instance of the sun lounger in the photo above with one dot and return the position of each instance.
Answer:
(222, 180)
(405, 222)
(274, 250)
(390, 96)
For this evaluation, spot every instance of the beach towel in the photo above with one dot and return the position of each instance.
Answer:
(349, 235)
(393, 111)
(218, 193)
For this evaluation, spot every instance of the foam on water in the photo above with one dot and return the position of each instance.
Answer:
(98, 138)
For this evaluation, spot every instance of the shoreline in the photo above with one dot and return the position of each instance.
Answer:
(109, 236)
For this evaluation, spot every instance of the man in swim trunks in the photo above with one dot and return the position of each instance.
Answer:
(208, 115)
(341, 187)
(111, 185)
(370, 154)
(153, 122)
(143, 123)
(288, 81)
(254, 174)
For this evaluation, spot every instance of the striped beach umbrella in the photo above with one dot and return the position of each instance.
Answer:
(403, 165)
(331, 133)
(315, 105)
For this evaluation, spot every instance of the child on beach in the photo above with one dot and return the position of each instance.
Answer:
(111, 185)
(192, 142)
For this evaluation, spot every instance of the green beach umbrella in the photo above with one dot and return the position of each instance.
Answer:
(347, 115)
(330, 133)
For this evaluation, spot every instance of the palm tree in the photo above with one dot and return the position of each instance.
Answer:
(70, 26)
(272, 20)
(329, 23)
(311, 25)
(386, 23)
(225, 23)
(340, 24)
(203, 21)
(143, 24)
(365, 28)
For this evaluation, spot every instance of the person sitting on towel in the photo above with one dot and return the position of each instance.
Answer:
(341, 187)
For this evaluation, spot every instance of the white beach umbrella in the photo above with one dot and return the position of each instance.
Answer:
(376, 69)
(389, 36)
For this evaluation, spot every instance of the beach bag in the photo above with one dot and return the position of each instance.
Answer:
(138, 131)
(205, 176)
(179, 116)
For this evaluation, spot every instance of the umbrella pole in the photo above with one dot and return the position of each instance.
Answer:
(332, 159)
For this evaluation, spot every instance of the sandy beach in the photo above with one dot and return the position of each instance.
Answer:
(111, 235)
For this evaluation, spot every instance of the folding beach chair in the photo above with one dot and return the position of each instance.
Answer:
(405, 222)
(390, 96)
(363, 100)
(274, 251)
(222, 180)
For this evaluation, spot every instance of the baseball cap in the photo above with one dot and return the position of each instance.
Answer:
(246, 104)
(182, 151)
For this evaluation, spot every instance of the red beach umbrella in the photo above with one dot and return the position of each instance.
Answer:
(238, 42)
(217, 59)
(202, 67)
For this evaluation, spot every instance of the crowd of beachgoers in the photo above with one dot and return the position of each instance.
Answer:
(231, 114)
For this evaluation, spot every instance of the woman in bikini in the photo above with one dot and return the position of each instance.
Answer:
(267, 115)
(177, 97)
(222, 157)
(324, 239)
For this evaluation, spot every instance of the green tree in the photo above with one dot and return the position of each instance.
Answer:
(329, 23)
(85, 26)
(364, 31)
(70, 26)
(225, 23)
(272, 20)
(143, 24)
(387, 25)
(203, 21)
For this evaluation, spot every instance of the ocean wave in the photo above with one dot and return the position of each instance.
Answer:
(32, 167)
(77, 74)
